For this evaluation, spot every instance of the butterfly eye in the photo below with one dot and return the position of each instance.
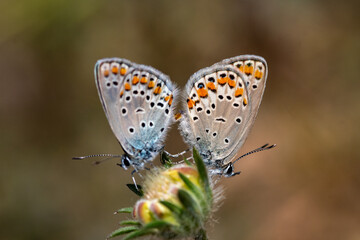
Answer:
(126, 162)
(229, 170)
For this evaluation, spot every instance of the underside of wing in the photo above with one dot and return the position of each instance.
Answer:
(254, 71)
(217, 107)
(138, 107)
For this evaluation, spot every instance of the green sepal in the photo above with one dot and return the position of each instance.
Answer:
(138, 191)
(122, 231)
(204, 178)
(130, 222)
(124, 210)
(150, 228)
(196, 191)
(140, 233)
(172, 207)
(191, 206)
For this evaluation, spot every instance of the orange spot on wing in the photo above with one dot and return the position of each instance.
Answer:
(258, 74)
(167, 98)
(157, 90)
(245, 102)
(135, 80)
(114, 70)
(190, 103)
(127, 87)
(249, 69)
(241, 68)
(202, 92)
(122, 93)
(239, 92)
(177, 116)
(232, 83)
(151, 84)
(106, 73)
(122, 71)
(211, 86)
(171, 99)
(143, 80)
(223, 81)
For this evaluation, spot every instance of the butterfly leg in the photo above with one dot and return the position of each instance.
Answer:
(133, 178)
(178, 154)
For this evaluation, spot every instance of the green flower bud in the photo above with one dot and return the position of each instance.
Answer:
(176, 202)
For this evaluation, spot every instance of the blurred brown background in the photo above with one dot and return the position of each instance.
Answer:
(306, 188)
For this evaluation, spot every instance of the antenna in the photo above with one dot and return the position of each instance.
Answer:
(262, 148)
(109, 156)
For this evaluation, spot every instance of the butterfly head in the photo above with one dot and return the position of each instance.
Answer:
(228, 170)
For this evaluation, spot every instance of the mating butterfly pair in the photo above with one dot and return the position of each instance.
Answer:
(219, 108)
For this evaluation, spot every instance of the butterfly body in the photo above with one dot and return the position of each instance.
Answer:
(220, 106)
(138, 103)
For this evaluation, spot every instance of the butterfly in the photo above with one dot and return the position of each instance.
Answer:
(138, 104)
(219, 108)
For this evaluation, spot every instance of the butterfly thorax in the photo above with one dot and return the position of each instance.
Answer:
(139, 157)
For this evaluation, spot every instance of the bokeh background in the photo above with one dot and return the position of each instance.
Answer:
(306, 188)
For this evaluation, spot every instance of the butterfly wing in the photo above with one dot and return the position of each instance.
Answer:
(137, 101)
(219, 108)
(254, 71)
